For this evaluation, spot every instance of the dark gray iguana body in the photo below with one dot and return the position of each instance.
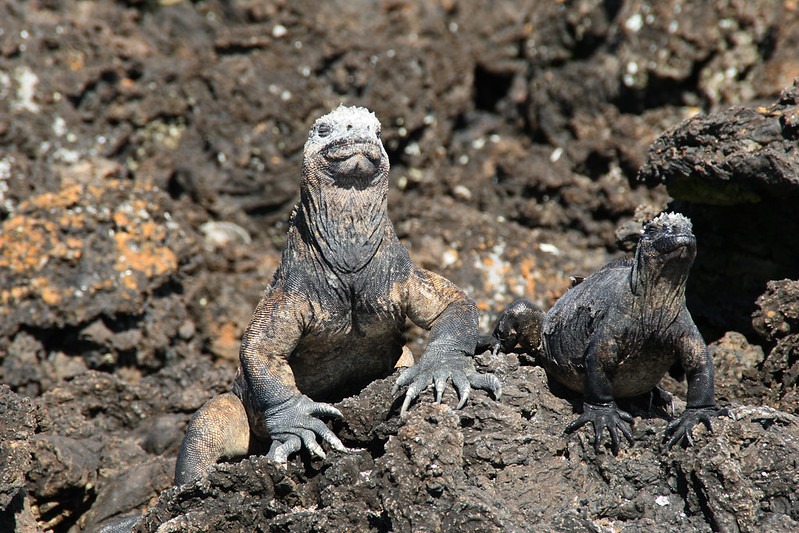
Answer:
(617, 333)
(332, 319)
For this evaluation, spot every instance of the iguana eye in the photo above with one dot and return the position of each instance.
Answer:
(378, 133)
(324, 130)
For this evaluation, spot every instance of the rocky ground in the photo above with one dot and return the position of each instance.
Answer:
(149, 157)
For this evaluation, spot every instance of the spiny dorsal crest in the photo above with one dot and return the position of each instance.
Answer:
(666, 221)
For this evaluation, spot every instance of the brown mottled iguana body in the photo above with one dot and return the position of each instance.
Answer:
(332, 319)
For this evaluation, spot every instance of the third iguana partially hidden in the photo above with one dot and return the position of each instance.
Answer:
(617, 333)
(332, 319)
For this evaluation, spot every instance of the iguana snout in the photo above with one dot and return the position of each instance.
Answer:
(357, 159)
(671, 243)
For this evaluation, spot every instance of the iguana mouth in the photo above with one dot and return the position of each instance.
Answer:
(345, 149)
(354, 163)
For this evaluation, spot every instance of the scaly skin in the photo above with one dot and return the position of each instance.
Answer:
(332, 319)
(617, 333)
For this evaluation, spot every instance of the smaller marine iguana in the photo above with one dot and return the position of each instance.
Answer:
(332, 319)
(617, 333)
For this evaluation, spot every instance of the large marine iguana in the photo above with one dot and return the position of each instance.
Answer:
(332, 319)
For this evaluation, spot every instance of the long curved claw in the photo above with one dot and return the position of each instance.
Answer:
(414, 389)
(682, 426)
(573, 426)
(599, 428)
(319, 428)
(604, 416)
(488, 382)
(283, 446)
(625, 430)
(407, 376)
(461, 384)
(325, 409)
(614, 436)
(308, 439)
(614, 439)
(440, 380)
(293, 424)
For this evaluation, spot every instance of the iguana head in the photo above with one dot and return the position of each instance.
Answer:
(665, 252)
(343, 209)
(344, 148)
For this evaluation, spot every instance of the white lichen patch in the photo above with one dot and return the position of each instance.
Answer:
(27, 80)
(5, 176)
(59, 127)
(634, 23)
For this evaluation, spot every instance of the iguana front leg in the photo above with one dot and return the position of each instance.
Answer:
(599, 407)
(436, 304)
(289, 416)
(701, 400)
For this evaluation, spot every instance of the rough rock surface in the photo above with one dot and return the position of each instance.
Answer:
(17, 427)
(777, 319)
(149, 156)
(508, 467)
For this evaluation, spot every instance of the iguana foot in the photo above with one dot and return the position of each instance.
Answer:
(682, 426)
(293, 424)
(605, 416)
(437, 371)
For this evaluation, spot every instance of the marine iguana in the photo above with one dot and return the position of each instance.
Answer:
(616, 333)
(331, 321)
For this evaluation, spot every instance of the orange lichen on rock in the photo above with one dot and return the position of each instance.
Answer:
(529, 272)
(151, 231)
(13, 294)
(25, 243)
(96, 190)
(72, 220)
(107, 236)
(123, 218)
(47, 292)
(66, 197)
(138, 255)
